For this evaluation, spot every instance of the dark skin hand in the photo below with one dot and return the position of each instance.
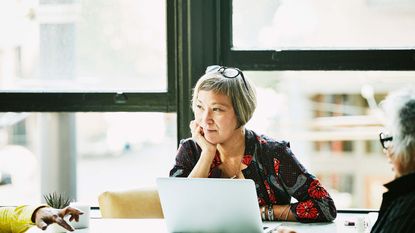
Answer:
(45, 216)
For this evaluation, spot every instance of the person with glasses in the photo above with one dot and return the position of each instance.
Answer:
(221, 147)
(397, 211)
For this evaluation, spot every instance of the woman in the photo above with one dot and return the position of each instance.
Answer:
(223, 102)
(20, 219)
(397, 211)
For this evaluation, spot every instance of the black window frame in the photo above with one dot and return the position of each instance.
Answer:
(311, 59)
(108, 101)
(199, 34)
(206, 39)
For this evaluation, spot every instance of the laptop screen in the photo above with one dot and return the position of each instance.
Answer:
(210, 205)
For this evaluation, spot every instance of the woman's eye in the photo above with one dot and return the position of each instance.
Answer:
(217, 110)
(199, 106)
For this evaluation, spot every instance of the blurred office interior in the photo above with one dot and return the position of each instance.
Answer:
(81, 51)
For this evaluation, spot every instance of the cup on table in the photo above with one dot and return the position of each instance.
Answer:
(361, 224)
(84, 218)
(372, 217)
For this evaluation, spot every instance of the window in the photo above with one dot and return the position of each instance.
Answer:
(320, 69)
(323, 24)
(84, 46)
(83, 62)
(332, 121)
(112, 150)
(81, 81)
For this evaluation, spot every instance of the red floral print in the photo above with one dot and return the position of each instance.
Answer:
(247, 159)
(216, 161)
(269, 192)
(261, 201)
(307, 210)
(276, 166)
(261, 140)
(273, 161)
(316, 190)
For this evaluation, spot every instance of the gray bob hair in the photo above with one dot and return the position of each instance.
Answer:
(243, 97)
(399, 109)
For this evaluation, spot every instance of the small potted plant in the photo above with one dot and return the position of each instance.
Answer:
(57, 201)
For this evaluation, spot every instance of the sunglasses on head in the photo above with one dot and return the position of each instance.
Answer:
(227, 72)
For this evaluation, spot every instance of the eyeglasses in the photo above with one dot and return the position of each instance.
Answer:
(385, 140)
(227, 72)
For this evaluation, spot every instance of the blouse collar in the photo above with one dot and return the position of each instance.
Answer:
(403, 184)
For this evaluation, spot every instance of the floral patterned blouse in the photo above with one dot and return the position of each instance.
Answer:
(277, 174)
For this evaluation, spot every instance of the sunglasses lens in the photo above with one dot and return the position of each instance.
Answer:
(211, 69)
(230, 72)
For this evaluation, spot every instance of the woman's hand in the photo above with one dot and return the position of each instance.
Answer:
(46, 215)
(202, 167)
(197, 135)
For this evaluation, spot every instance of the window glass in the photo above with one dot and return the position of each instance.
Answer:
(323, 24)
(332, 120)
(83, 45)
(113, 151)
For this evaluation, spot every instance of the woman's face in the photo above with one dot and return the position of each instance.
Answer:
(215, 114)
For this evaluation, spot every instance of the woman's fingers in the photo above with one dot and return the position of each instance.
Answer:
(45, 216)
(41, 224)
(73, 212)
(199, 138)
(193, 127)
(64, 224)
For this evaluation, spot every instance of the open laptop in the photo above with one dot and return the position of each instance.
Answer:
(211, 205)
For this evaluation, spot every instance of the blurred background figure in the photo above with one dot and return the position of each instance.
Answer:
(397, 210)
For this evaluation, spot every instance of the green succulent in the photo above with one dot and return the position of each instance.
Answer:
(56, 200)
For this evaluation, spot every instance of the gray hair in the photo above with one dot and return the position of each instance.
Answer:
(399, 109)
(243, 97)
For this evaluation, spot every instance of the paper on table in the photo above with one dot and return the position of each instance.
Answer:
(372, 217)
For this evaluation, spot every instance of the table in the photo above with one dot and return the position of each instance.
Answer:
(338, 226)
(100, 225)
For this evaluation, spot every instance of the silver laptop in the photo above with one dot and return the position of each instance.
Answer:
(211, 205)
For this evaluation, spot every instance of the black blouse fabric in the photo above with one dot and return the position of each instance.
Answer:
(277, 174)
(397, 211)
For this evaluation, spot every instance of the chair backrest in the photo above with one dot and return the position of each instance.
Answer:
(136, 203)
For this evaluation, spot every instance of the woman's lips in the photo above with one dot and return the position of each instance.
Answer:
(209, 130)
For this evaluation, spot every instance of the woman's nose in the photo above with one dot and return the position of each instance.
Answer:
(207, 117)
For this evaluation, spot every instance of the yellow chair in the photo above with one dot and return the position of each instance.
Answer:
(136, 203)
